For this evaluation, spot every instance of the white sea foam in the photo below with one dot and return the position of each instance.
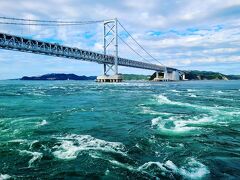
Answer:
(32, 143)
(180, 125)
(58, 87)
(233, 113)
(203, 120)
(42, 123)
(172, 126)
(107, 172)
(18, 141)
(148, 166)
(4, 176)
(156, 121)
(72, 144)
(192, 95)
(35, 156)
(191, 170)
(191, 90)
(215, 110)
(148, 110)
(164, 100)
(174, 90)
(122, 165)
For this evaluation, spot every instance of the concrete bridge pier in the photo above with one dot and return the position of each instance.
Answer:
(175, 76)
(169, 75)
(112, 78)
(183, 76)
(166, 75)
(157, 78)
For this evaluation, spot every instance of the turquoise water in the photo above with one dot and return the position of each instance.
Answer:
(130, 130)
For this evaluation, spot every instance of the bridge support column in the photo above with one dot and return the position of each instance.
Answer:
(184, 77)
(116, 47)
(165, 76)
(112, 78)
(104, 69)
(175, 76)
(110, 37)
(157, 78)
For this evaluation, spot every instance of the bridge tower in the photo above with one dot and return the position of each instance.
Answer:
(110, 37)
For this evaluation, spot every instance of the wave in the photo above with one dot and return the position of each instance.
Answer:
(72, 144)
(42, 123)
(192, 95)
(174, 90)
(4, 176)
(191, 90)
(161, 99)
(58, 87)
(18, 141)
(172, 126)
(193, 169)
(177, 125)
(35, 156)
(25, 120)
(203, 120)
(214, 110)
(148, 110)
(164, 100)
(32, 143)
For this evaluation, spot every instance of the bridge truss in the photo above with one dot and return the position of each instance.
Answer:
(17, 43)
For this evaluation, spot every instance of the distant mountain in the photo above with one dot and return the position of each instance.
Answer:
(208, 75)
(233, 77)
(205, 75)
(135, 77)
(190, 75)
(55, 76)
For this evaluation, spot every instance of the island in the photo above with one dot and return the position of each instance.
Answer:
(62, 76)
(205, 75)
(190, 75)
(58, 76)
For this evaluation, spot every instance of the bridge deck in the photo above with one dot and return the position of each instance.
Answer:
(11, 42)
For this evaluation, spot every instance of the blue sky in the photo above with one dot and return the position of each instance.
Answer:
(197, 34)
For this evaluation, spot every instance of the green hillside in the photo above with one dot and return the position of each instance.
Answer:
(135, 77)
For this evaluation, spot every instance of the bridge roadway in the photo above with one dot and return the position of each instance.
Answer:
(17, 43)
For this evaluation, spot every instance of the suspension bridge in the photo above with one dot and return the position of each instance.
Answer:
(110, 37)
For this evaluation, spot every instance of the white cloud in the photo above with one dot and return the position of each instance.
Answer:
(214, 40)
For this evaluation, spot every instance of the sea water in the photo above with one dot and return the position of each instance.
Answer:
(129, 130)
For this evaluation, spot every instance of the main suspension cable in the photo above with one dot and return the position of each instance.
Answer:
(50, 21)
(133, 49)
(47, 24)
(139, 44)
